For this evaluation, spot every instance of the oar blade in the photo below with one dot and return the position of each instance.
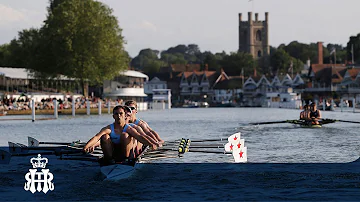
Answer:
(16, 148)
(240, 155)
(32, 142)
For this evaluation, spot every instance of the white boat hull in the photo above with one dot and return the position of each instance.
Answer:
(119, 171)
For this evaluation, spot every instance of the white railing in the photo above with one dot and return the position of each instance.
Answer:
(127, 92)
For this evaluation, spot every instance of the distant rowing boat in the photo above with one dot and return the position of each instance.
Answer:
(304, 123)
(310, 126)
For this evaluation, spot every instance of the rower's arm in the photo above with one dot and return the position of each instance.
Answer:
(149, 130)
(319, 114)
(143, 139)
(143, 133)
(96, 138)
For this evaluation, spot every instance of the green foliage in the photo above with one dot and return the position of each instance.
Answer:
(85, 41)
(355, 43)
(282, 62)
(302, 51)
(237, 61)
(340, 53)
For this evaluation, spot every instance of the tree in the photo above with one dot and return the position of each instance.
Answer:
(144, 57)
(354, 43)
(237, 61)
(340, 54)
(82, 39)
(281, 62)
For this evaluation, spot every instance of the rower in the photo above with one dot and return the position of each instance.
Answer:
(304, 115)
(117, 139)
(151, 134)
(314, 114)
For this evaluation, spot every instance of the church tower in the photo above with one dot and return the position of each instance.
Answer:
(254, 36)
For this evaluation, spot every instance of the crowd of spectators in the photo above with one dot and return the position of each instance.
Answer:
(24, 103)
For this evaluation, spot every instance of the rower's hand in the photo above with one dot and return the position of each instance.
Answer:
(153, 147)
(89, 149)
(158, 144)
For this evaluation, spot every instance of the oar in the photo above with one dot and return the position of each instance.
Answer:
(35, 143)
(348, 121)
(159, 157)
(207, 146)
(211, 140)
(326, 121)
(200, 140)
(80, 159)
(274, 122)
(335, 120)
(210, 152)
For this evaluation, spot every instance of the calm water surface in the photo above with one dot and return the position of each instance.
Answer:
(286, 162)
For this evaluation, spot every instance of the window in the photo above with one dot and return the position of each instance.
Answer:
(259, 53)
(258, 35)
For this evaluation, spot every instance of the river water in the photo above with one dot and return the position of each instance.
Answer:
(285, 162)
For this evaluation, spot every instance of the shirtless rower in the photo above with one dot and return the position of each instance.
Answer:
(117, 138)
(304, 115)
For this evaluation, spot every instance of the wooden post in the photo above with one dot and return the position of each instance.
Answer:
(354, 103)
(332, 105)
(88, 107)
(109, 106)
(341, 104)
(33, 110)
(73, 106)
(99, 107)
(55, 109)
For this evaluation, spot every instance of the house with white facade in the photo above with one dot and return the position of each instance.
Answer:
(260, 91)
(159, 96)
(128, 85)
(198, 85)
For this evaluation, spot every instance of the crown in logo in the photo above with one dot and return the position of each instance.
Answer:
(39, 162)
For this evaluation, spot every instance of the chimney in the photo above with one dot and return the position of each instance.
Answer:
(240, 17)
(320, 53)
(255, 74)
(187, 68)
(171, 75)
(222, 70)
(256, 17)
(206, 67)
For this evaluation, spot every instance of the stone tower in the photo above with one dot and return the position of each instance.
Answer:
(254, 36)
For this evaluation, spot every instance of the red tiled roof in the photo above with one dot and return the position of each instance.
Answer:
(353, 73)
(183, 68)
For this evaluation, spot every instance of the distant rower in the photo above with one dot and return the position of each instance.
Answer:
(305, 115)
(315, 114)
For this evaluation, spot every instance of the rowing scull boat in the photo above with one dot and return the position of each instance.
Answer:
(122, 170)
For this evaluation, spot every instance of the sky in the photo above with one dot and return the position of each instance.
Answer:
(211, 24)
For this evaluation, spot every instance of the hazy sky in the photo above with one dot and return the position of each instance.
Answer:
(212, 24)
